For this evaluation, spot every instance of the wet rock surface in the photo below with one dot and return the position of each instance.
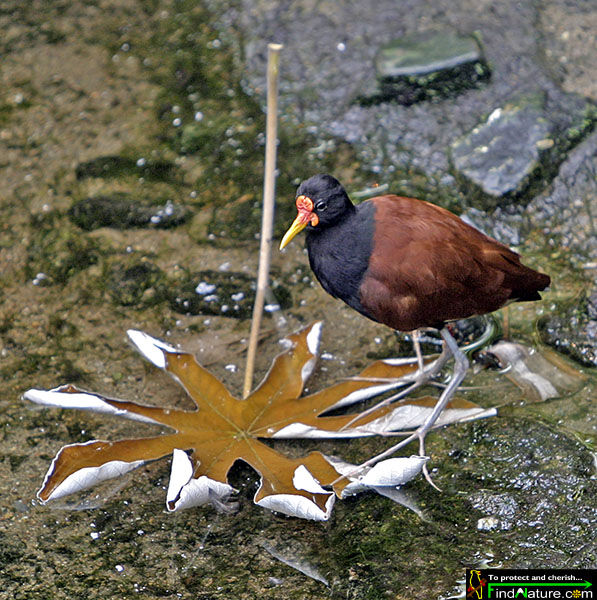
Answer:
(321, 81)
(567, 210)
(502, 155)
(428, 52)
(564, 212)
(573, 329)
(531, 478)
(514, 152)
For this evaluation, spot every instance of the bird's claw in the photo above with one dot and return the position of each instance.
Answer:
(421, 433)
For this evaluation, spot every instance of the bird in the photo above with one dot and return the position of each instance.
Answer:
(408, 264)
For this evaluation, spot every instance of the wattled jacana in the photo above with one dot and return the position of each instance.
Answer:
(408, 264)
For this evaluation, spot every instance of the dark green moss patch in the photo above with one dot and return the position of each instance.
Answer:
(57, 251)
(138, 283)
(6, 111)
(118, 166)
(123, 211)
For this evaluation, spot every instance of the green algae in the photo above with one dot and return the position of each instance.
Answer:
(205, 115)
(122, 210)
(58, 250)
(136, 283)
(121, 166)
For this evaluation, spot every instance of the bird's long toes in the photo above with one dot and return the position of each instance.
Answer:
(421, 434)
(428, 478)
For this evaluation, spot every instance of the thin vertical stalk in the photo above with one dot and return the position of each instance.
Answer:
(267, 222)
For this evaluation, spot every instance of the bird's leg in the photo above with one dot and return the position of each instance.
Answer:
(461, 365)
(416, 337)
(460, 368)
(420, 378)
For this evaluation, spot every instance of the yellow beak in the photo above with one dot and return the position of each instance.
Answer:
(301, 221)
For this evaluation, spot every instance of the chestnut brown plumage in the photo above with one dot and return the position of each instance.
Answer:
(408, 264)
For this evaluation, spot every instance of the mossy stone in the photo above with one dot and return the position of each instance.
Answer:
(573, 329)
(427, 66)
(123, 211)
(140, 283)
(118, 166)
(423, 53)
(501, 156)
(58, 251)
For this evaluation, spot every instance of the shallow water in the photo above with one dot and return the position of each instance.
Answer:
(137, 81)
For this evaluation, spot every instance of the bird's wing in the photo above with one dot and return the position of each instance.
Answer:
(440, 267)
(432, 249)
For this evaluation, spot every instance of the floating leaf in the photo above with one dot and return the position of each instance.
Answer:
(291, 554)
(540, 374)
(207, 441)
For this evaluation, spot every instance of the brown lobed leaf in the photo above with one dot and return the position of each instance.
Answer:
(206, 442)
